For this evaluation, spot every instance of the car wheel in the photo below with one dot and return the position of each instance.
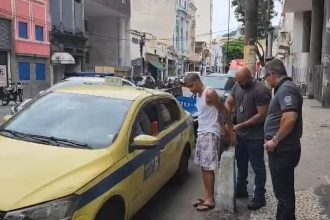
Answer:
(5, 101)
(182, 172)
(113, 210)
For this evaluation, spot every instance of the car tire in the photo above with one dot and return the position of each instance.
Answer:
(182, 172)
(111, 211)
(5, 101)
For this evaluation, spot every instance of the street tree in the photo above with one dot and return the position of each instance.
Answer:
(264, 18)
(235, 50)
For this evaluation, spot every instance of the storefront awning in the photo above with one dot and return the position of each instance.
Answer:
(62, 58)
(157, 65)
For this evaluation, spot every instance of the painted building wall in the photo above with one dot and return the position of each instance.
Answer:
(103, 41)
(6, 9)
(155, 17)
(297, 34)
(28, 57)
(34, 13)
(204, 17)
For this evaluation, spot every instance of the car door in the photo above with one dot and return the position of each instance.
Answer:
(172, 136)
(145, 163)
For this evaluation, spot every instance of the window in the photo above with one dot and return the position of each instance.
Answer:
(24, 71)
(23, 30)
(67, 16)
(135, 40)
(55, 14)
(67, 120)
(78, 17)
(40, 71)
(39, 33)
(124, 1)
(169, 112)
(146, 122)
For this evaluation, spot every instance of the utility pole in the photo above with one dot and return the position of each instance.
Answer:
(228, 32)
(142, 44)
(270, 30)
(250, 39)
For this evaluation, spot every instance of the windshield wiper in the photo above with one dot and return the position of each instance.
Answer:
(23, 136)
(60, 141)
(13, 133)
(47, 140)
(70, 142)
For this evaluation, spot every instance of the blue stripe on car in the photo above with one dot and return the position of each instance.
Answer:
(123, 172)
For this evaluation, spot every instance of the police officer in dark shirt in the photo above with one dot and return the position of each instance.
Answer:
(251, 100)
(283, 130)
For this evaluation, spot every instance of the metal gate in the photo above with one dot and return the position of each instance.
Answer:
(299, 76)
(318, 81)
(5, 34)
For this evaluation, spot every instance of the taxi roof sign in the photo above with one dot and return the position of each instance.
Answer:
(113, 81)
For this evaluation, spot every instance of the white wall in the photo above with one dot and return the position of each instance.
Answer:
(204, 20)
(135, 48)
(155, 17)
(297, 34)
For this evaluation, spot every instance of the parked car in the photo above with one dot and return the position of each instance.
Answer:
(66, 83)
(221, 83)
(145, 81)
(92, 152)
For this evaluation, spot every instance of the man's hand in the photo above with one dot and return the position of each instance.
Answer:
(270, 146)
(237, 127)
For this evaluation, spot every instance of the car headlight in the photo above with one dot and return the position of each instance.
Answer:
(61, 209)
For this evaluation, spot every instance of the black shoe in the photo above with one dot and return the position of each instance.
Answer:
(242, 194)
(253, 205)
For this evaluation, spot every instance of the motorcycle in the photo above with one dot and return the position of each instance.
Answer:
(12, 93)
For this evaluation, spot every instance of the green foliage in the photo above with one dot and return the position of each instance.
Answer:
(235, 48)
(263, 21)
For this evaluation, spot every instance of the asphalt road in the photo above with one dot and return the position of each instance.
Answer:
(4, 110)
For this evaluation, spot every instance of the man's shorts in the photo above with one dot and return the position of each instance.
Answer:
(206, 154)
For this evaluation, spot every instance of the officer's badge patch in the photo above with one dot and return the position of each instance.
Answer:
(288, 100)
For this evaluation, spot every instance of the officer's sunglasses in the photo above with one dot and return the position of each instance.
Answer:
(267, 74)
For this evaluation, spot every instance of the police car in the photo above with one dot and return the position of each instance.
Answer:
(91, 152)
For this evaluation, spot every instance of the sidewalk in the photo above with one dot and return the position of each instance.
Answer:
(313, 171)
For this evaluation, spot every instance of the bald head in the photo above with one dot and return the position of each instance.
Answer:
(244, 73)
(244, 77)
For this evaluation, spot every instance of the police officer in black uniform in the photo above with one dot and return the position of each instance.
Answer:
(283, 130)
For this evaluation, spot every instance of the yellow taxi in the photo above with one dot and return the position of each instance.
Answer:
(91, 152)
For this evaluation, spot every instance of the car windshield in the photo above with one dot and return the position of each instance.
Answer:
(218, 82)
(68, 83)
(87, 120)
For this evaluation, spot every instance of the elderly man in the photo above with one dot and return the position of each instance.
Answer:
(208, 136)
(251, 99)
(283, 130)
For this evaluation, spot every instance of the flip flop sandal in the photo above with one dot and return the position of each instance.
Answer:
(205, 207)
(198, 203)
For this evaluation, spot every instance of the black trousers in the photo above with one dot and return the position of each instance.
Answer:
(282, 165)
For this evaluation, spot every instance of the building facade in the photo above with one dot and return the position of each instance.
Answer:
(204, 22)
(185, 35)
(304, 45)
(108, 32)
(172, 23)
(67, 38)
(24, 28)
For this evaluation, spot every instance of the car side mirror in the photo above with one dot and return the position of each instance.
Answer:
(7, 117)
(145, 142)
